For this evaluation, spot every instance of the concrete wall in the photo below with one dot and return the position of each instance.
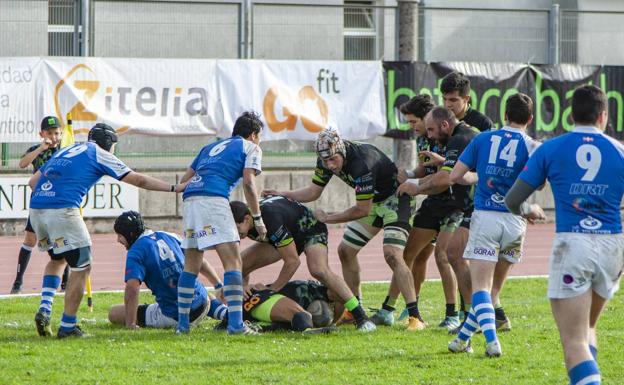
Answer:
(598, 34)
(163, 210)
(23, 28)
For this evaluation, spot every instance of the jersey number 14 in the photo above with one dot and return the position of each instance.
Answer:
(508, 153)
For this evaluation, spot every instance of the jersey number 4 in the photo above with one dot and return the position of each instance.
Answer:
(165, 251)
(508, 153)
(589, 158)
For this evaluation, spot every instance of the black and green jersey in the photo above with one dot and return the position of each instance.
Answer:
(366, 168)
(477, 120)
(42, 158)
(305, 292)
(425, 144)
(289, 221)
(457, 143)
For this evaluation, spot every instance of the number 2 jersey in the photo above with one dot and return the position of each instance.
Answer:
(585, 169)
(219, 167)
(498, 156)
(157, 259)
(71, 172)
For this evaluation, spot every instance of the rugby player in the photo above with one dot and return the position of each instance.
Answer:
(442, 126)
(58, 189)
(585, 169)
(208, 221)
(292, 229)
(374, 178)
(497, 236)
(155, 258)
(437, 216)
(37, 155)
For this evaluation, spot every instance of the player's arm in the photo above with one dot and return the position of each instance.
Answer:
(403, 175)
(291, 264)
(187, 175)
(515, 200)
(149, 183)
(32, 182)
(209, 272)
(433, 184)
(461, 174)
(251, 196)
(29, 157)
(131, 302)
(307, 194)
(361, 209)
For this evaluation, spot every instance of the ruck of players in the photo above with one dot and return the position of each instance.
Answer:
(466, 204)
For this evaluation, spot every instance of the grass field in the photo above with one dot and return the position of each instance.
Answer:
(111, 355)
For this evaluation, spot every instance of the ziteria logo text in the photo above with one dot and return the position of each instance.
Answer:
(119, 101)
(307, 106)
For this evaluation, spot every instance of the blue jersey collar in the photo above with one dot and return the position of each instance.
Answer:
(587, 130)
(512, 129)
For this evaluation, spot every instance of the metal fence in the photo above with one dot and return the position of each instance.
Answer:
(328, 30)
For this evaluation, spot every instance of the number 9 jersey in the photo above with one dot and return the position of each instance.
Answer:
(585, 169)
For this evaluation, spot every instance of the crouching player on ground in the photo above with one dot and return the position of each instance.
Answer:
(155, 257)
(298, 306)
(58, 189)
(496, 235)
(292, 230)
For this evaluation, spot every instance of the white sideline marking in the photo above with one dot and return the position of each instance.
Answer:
(210, 288)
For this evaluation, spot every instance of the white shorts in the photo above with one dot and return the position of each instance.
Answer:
(154, 317)
(59, 229)
(208, 221)
(495, 235)
(582, 261)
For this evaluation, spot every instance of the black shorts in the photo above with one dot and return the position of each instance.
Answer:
(142, 309)
(29, 227)
(437, 215)
(465, 223)
(258, 297)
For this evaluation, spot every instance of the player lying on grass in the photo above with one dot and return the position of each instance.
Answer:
(292, 230)
(298, 306)
(155, 257)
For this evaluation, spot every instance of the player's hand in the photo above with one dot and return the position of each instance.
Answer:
(262, 231)
(435, 159)
(402, 175)
(180, 187)
(269, 192)
(536, 214)
(45, 144)
(320, 215)
(407, 188)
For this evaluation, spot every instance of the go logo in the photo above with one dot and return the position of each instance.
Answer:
(307, 107)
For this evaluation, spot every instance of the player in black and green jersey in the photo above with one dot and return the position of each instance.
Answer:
(37, 155)
(292, 229)
(373, 176)
(436, 220)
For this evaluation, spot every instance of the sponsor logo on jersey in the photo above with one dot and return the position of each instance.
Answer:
(196, 179)
(590, 223)
(497, 198)
(47, 186)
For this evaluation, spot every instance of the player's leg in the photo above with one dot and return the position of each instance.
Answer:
(501, 272)
(356, 235)
(318, 265)
(449, 285)
(79, 261)
(30, 240)
(117, 315)
(193, 259)
(597, 305)
(572, 318)
(49, 286)
(461, 267)
(232, 285)
(287, 310)
(257, 256)
(217, 309)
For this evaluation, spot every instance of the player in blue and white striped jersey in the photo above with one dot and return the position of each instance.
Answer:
(496, 236)
(208, 221)
(585, 169)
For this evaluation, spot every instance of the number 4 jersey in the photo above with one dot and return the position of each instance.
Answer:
(71, 172)
(585, 169)
(498, 156)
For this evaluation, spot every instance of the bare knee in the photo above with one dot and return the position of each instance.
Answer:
(321, 275)
(346, 253)
(30, 239)
(393, 259)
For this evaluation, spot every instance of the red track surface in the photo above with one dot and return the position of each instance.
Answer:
(109, 258)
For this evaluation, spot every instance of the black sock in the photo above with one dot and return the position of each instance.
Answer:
(462, 304)
(450, 310)
(65, 277)
(412, 309)
(359, 314)
(387, 307)
(499, 313)
(22, 264)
